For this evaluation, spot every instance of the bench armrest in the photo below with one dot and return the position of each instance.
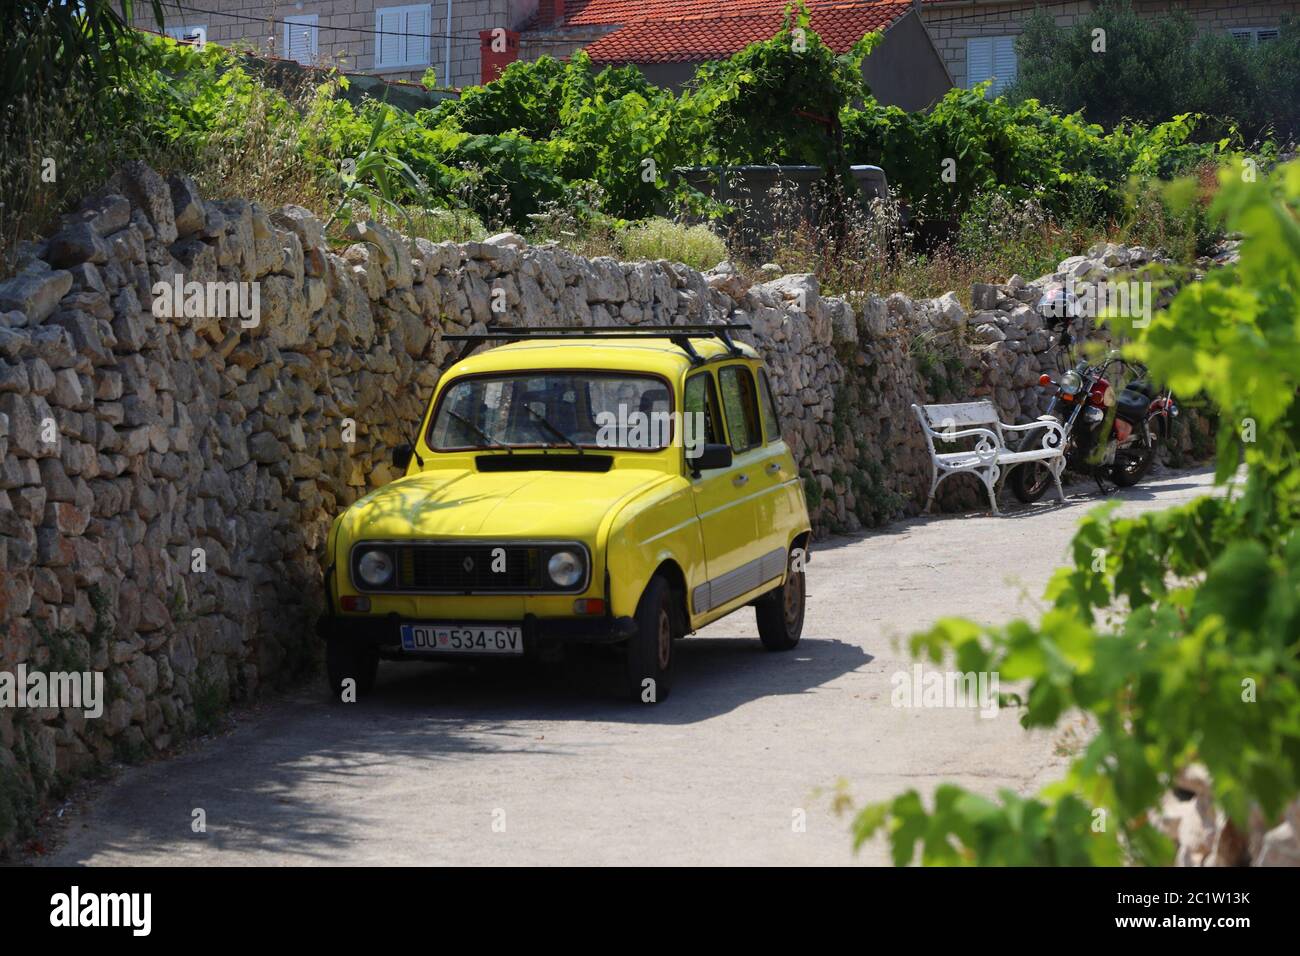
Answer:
(967, 433)
(1054, 431)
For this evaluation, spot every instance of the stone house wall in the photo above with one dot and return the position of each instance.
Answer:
(951, 25)
(345, 34)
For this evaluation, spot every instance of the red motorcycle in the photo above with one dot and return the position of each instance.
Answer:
(1107, 434)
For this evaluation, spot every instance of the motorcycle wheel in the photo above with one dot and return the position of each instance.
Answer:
(1029, 481)
(1132, 464)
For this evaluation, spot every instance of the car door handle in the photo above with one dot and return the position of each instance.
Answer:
(740, 480)
(773, 467)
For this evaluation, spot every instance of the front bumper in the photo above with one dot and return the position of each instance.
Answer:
(540, 635)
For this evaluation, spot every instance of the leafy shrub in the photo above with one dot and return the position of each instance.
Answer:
(1156, 67)
(780, 101)
(1021, 150)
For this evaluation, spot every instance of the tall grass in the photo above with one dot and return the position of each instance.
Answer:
(875, 248)
(697, 246)
(254, 151)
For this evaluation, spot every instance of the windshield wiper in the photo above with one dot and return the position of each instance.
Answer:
(545, 423)
(480, 432)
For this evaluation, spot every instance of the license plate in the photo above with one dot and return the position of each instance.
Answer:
(432, 638)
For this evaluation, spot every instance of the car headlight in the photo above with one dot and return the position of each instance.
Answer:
(1071, 382)
(375, 568)
(565, 568)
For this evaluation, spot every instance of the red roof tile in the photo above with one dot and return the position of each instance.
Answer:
(584, 12)
(661, 31)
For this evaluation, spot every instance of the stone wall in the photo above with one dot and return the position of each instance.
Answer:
(167, 481)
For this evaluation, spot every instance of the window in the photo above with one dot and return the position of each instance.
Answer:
(1254, 36)
(991, 58)
(740, 405)
(403, 37)
(608, 410)
(301, 37)
(702, 399)
(193, 35)
(771, 419)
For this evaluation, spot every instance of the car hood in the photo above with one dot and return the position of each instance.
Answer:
(462, 502)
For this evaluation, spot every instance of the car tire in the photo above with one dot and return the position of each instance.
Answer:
(780, 612)
(346, 658)
(649, 652)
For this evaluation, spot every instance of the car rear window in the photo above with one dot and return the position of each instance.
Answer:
(740, 405)
(701, 398)
(771, 418)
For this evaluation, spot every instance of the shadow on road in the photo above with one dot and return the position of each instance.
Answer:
(712, 675)
(295, 780)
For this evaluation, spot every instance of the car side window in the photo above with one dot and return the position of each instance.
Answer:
(701, 399)
(771, 419)
(740, 406)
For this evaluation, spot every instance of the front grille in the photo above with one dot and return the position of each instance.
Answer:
(463, 568)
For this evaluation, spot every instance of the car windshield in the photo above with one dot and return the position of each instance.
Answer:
(612, 410)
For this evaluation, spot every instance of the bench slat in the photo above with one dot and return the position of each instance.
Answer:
(961, 415)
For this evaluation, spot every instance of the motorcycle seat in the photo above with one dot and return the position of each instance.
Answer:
(1132, 405)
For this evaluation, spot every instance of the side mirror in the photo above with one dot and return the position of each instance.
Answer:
(711, 457)
(402, 455)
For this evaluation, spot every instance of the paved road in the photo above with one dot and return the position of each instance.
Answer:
(448, 766)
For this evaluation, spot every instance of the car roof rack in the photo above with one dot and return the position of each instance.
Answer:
(679, 335)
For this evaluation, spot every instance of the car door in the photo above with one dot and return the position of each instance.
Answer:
(726, 520)
(777, 478)
(747, 488)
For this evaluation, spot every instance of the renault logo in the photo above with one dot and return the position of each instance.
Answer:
(467, 564)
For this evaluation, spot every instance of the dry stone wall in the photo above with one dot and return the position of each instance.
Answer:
(168, 471)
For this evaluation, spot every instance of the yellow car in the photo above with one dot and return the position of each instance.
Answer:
(594, 485)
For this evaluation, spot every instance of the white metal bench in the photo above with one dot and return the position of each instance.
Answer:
(979, 420)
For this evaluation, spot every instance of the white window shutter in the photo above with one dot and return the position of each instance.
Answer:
(1245, 36)
(991, 58)
(419, 23)
(979, 60)
(1266, 35)
(301, 37)
(403, 38)
(1004, 62)
(388, 42)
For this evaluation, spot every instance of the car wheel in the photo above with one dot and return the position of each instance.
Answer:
(650, 650)
(780, 612)
(348, 659)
